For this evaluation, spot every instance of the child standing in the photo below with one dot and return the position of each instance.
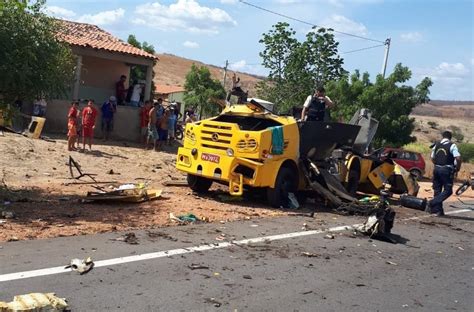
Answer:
(72, 126)
(89, 115)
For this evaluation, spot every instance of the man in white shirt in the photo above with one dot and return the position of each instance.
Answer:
(316, 105)
(447, 160)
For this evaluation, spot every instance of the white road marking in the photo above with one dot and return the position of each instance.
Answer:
(181, 251)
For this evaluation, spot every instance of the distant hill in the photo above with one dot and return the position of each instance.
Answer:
(446, 109)
(172, 70)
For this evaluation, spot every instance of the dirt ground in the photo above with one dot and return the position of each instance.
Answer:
(34, 173)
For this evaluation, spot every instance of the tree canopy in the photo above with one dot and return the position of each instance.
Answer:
(138, 72)
(33, 61)
(202, 92)
(295, 68)
(388, 99)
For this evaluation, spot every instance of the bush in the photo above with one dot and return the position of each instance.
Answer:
(433, 124)
(467, 152)
(418, 148)
(457, 133)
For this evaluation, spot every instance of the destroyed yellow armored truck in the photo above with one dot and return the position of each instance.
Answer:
(247, 146)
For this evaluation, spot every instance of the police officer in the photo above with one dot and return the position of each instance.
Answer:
(447, 160)
(315, 106)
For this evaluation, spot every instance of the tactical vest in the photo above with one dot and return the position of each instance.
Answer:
(316, 109)
(442, 154)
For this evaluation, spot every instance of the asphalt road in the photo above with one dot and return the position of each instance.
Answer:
(430, 269)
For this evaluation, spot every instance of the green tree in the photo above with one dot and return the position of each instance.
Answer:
(388, 99)
(202, 92)
(33, 60)
(138, 72)
(295, 68)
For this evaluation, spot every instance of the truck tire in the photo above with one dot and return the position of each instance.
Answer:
(285, 183)
(199, 184)
(416, 173)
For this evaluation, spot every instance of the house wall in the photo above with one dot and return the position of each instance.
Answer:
(98, 77)
(126, 120)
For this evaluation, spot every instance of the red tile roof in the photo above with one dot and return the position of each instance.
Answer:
(166, 89)
(91, 36)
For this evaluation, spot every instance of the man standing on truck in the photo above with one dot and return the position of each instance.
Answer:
(447, 160)
(316, 105)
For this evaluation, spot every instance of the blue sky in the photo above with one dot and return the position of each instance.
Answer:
(433, 38)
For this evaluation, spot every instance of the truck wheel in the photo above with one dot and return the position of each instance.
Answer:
(416, 174)
(199, 184)
(285, 183)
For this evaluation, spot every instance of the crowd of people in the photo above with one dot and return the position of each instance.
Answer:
(133, 95)
(158, 122)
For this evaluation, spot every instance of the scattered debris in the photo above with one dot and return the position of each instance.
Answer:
(329, 236)
(129, 238)
(163, 235)
(360, 285)
(213, 301)
(175, 183)
(460, 248)
(391, 262)
(135, 195)
(198, 267)
(309, 254)
(35, 302)
(184, 219)
(7, 214)
(247, 277)
(111, 171)
(229, 198)
(307, 292)
(305, 227)
(292, 201)
(13, 239)
(82, 266)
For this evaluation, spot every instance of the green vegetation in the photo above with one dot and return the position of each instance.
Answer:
(295, 67)
(457, 133)
(418, 147)
(433, 124)
(467, 152)
(388, 99)
(202, 92)
(138, 72)
(33, 61)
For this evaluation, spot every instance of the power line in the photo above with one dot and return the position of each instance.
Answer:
(352, 51)
(307, 23)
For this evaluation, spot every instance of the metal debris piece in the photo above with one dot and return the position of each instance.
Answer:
(194, 266)
(35, 302)
(82, 266)
(213, 301)
(392, 263)
(309, 254)
(7, 214)
(129, 238)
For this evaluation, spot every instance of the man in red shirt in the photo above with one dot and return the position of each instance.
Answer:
(89, 115)
(144, 119)
(72, 126)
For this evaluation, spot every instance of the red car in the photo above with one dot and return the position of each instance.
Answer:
(411, 161)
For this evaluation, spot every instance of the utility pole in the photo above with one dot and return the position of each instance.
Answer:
(385, 59)
(225, 71)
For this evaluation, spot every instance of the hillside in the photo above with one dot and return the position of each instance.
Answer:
(172, 70)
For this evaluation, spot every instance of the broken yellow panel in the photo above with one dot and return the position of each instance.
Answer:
(35, 302)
